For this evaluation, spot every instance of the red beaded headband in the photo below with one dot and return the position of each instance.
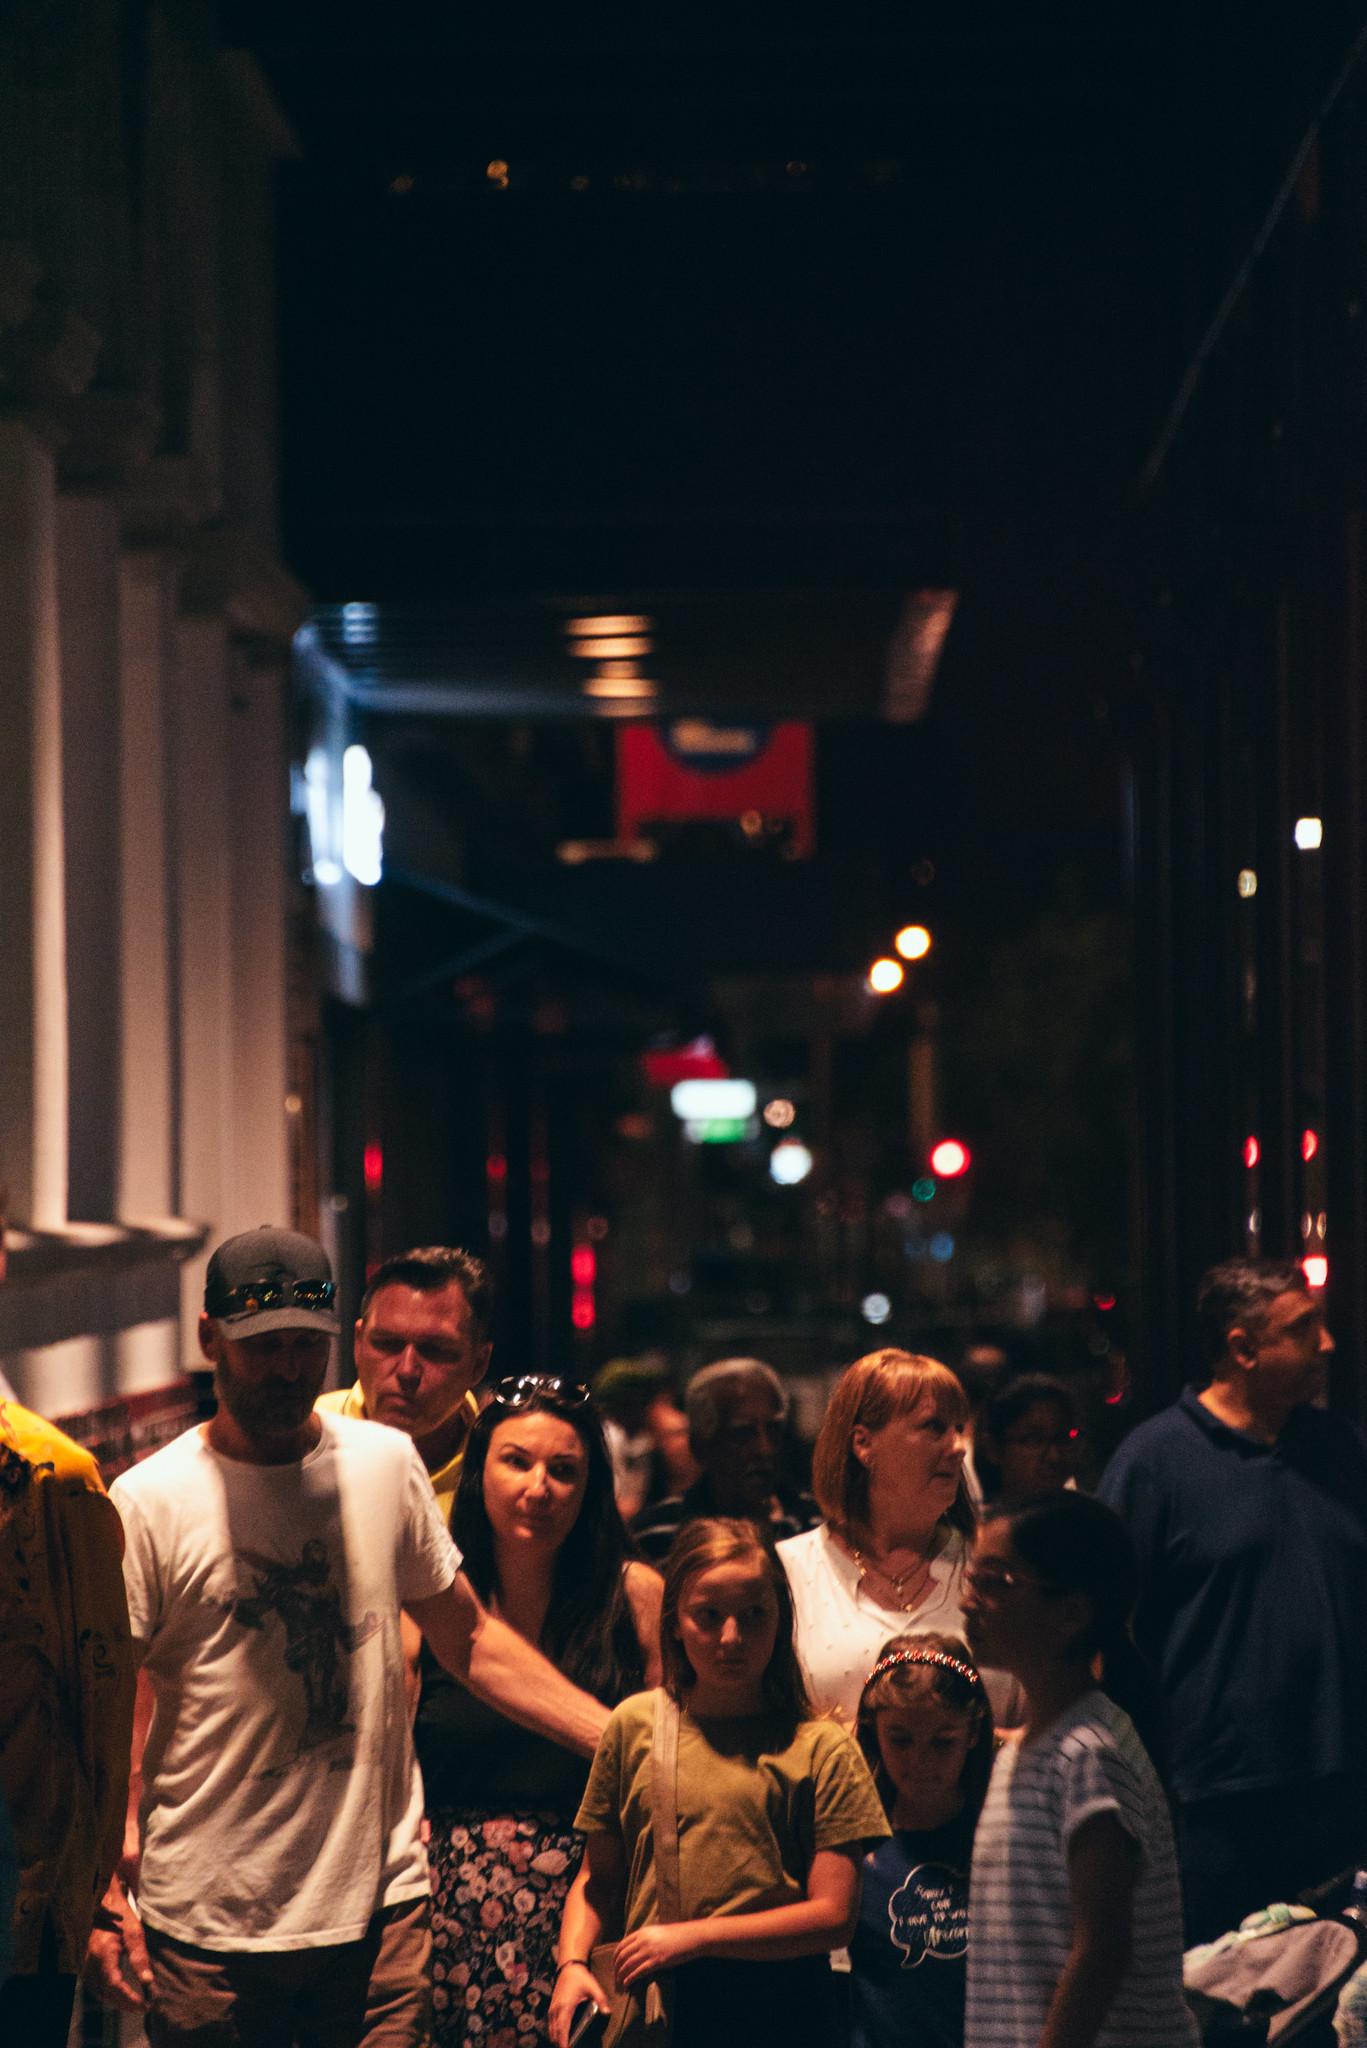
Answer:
(940, 1657)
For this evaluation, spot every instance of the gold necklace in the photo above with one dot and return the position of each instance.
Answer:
(919, 1572)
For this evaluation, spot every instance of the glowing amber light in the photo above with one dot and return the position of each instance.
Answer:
(885, 976)
(1316, 1269)
(949, 1159)
(608, 623)
(913, 942)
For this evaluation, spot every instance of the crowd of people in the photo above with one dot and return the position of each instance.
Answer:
(367, 1720)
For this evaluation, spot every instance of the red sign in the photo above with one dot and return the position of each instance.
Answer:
(699, 1060)
(695, 768)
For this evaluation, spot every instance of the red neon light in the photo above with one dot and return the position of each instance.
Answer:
(583, 1314)
(697, 1061)
(1104, 1302)
(583, 1265)
(1310, 1145)
(949, 1159)
(496, 1166)
(373, 1168)
(1252, 1153)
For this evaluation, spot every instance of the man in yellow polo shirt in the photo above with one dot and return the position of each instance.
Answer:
(422, 1348)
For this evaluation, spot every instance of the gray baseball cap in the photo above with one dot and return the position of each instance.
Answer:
(270, 1280)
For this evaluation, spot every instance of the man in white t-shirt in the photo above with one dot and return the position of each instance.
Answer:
(280, 1876)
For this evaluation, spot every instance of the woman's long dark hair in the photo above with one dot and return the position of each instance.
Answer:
(1076, 1544)
(589, 1631)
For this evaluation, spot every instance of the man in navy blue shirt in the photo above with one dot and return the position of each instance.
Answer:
(1248, 1508)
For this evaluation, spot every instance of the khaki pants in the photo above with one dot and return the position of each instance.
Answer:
(371, 1993)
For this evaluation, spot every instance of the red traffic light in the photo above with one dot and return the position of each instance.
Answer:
(949, 1159)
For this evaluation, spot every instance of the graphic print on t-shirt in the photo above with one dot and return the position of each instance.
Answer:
(928, 1915)
(304, 1599)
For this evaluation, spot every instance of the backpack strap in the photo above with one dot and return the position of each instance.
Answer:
(664, 1806)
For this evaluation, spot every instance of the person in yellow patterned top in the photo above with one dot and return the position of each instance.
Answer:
(66, 1711)
(422, 1348)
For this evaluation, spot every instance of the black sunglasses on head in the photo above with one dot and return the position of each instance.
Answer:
(258, 1295)
(527, 1387)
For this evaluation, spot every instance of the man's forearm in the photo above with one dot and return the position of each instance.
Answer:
(506, 1672)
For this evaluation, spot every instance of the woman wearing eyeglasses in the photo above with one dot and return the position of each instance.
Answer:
(543, 1545)
(1027, 1441)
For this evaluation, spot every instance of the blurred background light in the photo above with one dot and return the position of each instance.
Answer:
(913, 942)
(696, 1100)
(789, 1163)
(885, 976)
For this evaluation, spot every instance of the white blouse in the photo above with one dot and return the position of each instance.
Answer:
(842, 1626)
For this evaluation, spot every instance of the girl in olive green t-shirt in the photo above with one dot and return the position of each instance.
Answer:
(775, 1810)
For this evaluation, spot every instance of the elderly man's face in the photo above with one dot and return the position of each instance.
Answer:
(742, 1462)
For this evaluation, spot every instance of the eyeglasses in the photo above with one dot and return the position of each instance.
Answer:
(256, 1295)
(994, 1580)
(533, 1386)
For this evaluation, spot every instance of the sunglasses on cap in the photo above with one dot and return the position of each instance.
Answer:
(519, 1392)
(256, 1296)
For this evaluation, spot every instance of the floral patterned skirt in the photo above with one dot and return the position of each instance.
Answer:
(498, 1888)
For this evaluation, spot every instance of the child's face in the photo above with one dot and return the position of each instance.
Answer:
(924, 1745)
(728, 1625)
(1009, 1612)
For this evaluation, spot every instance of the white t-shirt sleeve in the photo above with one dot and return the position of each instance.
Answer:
(428, 1559)
(1097, 1780)
(141, 1580)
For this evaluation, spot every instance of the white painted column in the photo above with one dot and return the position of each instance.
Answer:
(258, 854)
(147, 1055)
(202, 830)
(88, 599)
(33, 1022)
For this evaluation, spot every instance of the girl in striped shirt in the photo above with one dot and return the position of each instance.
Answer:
(1074, 1901)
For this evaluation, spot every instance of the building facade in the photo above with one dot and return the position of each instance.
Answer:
(145, 626)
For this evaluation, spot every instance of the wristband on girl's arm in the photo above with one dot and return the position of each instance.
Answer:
(573, 1963)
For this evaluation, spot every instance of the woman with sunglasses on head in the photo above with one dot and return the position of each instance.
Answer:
(543, 1545)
